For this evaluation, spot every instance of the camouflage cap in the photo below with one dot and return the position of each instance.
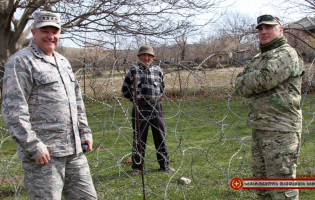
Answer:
(44, 18)
(268, 19)
(146, 49)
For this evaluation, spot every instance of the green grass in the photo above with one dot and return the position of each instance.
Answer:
(207, 140)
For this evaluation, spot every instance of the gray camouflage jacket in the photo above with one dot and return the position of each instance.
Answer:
(272, 83)
(42, 105)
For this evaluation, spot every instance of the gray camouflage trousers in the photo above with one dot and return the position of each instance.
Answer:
(275, 155)
(69, 175)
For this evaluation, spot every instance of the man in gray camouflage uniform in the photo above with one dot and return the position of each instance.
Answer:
(272, 84)
(44, 112)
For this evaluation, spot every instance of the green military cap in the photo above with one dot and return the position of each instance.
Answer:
(268, 19)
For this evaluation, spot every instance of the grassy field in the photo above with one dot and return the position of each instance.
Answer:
(207, 140)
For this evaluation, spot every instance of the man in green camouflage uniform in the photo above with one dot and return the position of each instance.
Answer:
(43, 109)
(272, 84)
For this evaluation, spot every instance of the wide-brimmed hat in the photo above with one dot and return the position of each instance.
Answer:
(146, 49)
(44, 18)
(268, 19)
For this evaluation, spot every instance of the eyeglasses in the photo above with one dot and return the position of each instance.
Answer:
(269, 18)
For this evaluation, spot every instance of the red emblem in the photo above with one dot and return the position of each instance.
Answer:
(236, 183)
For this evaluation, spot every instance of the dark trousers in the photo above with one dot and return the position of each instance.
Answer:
(149, 115)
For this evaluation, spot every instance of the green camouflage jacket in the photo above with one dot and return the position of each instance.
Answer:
(272, 82)
(42, 105)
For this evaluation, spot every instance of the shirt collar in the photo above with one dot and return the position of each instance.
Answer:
(143, 66)
(39, 53)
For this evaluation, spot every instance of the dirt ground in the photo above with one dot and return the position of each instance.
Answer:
(111, 83)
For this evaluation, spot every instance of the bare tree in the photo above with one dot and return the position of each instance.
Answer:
(86, 19)
(239, 26)
(182, 40)
(305, 7)
(300, 33)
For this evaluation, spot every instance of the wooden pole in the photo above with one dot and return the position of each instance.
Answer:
(139, 135)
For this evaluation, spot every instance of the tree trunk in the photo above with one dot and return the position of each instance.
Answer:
(4, 55)
(5, 48)
(8, 46)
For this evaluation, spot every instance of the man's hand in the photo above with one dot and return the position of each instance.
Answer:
(89, 143)
(43, 159)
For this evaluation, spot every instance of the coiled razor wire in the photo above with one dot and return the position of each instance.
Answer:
(206, 135)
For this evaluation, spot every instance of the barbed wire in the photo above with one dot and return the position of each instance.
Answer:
(206, 135)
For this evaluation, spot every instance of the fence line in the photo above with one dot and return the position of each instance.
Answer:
(206, 135)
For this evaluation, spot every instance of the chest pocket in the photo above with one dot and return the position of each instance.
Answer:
(71, 75)
(45, 77)
(139, 86)
(157, 83)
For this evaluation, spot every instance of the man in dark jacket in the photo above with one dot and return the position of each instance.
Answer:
(150, 87)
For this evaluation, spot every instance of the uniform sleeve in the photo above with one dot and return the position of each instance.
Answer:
(275, 70)
(17, 87)
(126, 89)
(84, 129)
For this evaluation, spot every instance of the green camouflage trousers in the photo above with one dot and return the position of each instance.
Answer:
(69, 175)
(275, 155)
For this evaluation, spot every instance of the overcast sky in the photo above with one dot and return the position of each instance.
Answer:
(255, 8)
